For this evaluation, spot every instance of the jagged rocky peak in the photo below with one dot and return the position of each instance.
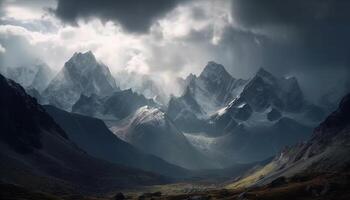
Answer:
(87, 55)
(202, 96)
(262, 72)
(183, 83)
(190, 77)
(83, 60)
(149, 115)
(265, 90)
(191, 102)
(118, 105)
(214, 71)
(264, 77)
(287, 84)
(152, 131)
(81, 74)
(85, 63)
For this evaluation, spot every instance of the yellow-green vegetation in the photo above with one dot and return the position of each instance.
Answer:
(171, 189)
(252, 178)
(301, 187)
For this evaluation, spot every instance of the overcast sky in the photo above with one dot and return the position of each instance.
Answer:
(304, 38)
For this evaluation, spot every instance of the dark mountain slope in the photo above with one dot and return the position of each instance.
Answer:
(36, 153)
(95, 138)
(326, 152)
(118, 105)
(151, 130)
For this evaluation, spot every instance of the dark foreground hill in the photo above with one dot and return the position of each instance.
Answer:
(93, 136)
(35, 152)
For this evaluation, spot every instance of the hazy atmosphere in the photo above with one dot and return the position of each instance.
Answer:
(174, 99)
(307, 39)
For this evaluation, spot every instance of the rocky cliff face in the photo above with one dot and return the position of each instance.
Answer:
(265, 90)
(264, 113)
(151, 130)
(81, 74)
(326, 152)
(213, 89)
(116, 106)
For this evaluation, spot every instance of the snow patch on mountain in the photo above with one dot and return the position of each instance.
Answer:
(149, 115)
(81, 74)
(151, 130)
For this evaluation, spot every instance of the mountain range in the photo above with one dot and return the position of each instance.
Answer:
(144, 84)
(34, 76)
(318, 166)
(221, 118)
(94, 137)
(152, 131)
(235, 120)
(37, 153)
(116, 106)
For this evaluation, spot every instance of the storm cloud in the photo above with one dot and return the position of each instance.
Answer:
(306, 39)
(133, 15)
(314, 33)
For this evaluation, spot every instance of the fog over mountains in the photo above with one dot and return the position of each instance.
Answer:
(218, 127)
(81, 74)
(174, 100)
(217, 120)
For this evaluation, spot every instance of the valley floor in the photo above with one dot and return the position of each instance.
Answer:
(301, 187)
(325, 186)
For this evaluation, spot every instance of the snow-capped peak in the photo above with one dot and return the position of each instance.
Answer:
(266, 76)
(82, 61)
(87, 55)
(81, 74)
(149, 115)
(214, 70)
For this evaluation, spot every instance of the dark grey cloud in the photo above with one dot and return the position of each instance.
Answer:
(322, 26)
(296, 12)
(133, 15)
(308, 38)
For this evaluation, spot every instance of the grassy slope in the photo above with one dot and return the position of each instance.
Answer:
(302, 187)
(253, 178)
